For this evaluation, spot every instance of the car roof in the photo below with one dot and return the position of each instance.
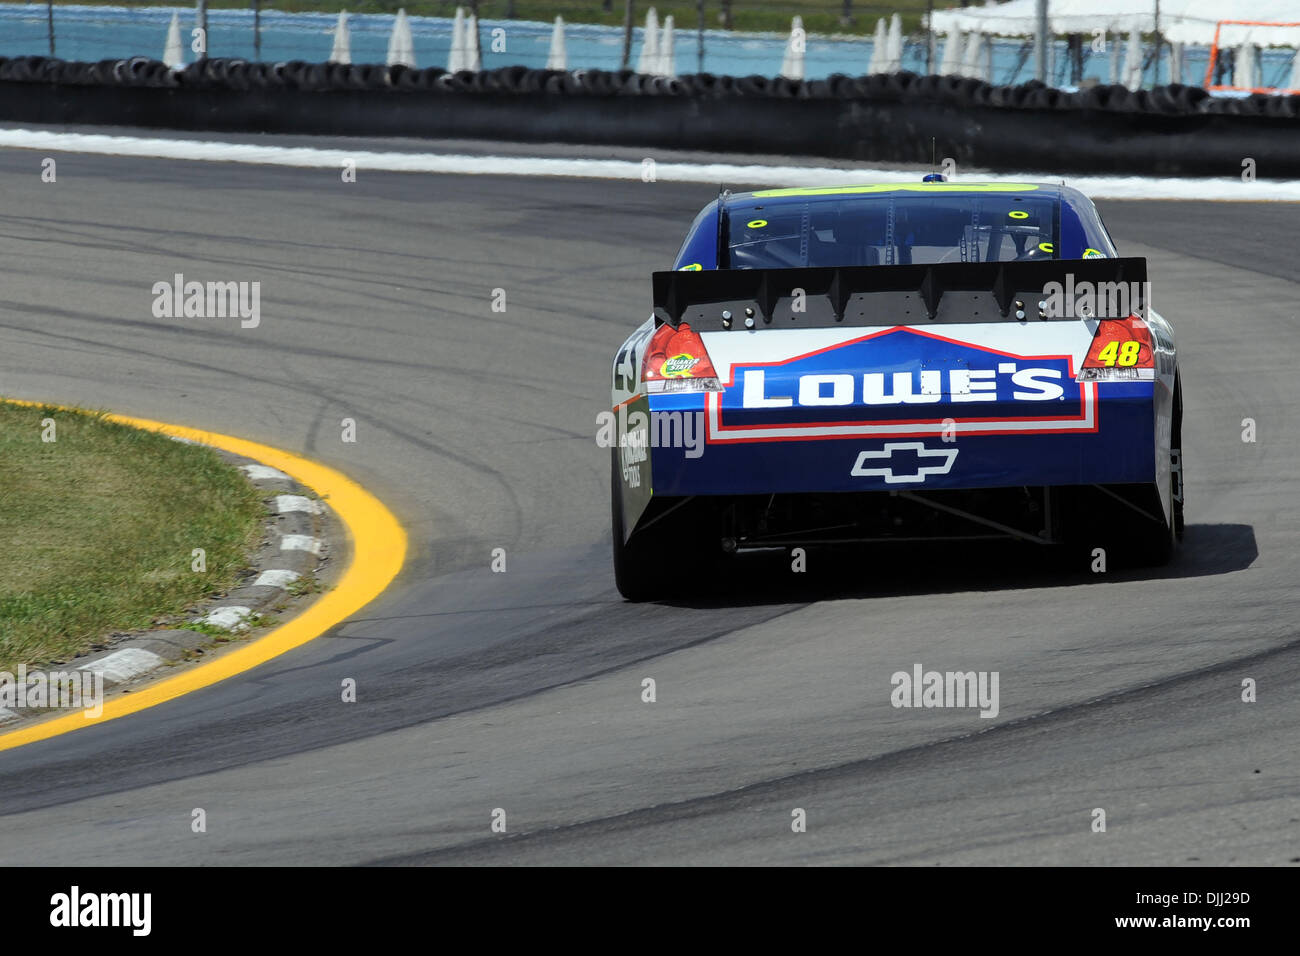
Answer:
(798, 193)
(1083, 234)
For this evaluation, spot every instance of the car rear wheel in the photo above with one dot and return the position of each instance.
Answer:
(640, 565)
(1151, 545)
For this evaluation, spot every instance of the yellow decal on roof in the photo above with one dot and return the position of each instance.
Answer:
(896, 187)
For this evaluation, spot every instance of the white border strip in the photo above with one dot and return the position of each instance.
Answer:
(1101, 187)
(286, 504)
(276, 578)
(720, 433)
(257, 472)
(121, 666)
(302, 542)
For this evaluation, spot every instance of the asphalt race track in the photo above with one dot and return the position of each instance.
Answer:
(522, 690)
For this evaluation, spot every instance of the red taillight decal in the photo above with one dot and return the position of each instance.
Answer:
(676, 353)
(1121, 343)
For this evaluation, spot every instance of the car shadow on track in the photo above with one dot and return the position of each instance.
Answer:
(943, 568)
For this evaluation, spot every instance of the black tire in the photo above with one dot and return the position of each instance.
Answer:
(641, 569)
(1094, 523)
(1176, 453)
(1151, 546)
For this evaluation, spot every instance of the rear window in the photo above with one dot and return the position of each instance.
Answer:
(890, 230)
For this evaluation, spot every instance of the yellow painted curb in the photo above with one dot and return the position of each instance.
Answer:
(378, 551)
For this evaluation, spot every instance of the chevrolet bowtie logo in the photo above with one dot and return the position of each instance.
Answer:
(906, 462)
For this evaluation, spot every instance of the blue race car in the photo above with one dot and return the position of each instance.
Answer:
(883, 363)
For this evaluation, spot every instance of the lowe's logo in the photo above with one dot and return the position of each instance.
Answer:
(906, 462)
(900, 383)
(1031, 384)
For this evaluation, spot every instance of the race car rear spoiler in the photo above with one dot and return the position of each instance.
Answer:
(946, 292)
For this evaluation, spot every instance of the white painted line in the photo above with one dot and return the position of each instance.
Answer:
(232, 618)
(124, 664)
(301, 542)
(286, 504)
(1101, 187)
(275, 579)
(263, 473)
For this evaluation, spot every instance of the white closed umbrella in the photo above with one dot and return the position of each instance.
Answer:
(456, 58)
(792, 62)
(648, 61)
(878, 44)
(173, 52)
(667, 40)
(894, 45)
(342, 49)
(401, 48)
(557, 58)
(473, 56)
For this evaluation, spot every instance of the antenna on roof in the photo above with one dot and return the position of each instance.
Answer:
(934, 176)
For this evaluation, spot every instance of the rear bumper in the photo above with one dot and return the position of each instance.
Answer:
(1114, 442)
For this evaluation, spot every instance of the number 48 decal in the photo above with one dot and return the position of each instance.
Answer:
(1123, 354)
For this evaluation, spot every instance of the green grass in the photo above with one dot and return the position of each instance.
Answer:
(98, 530)
(819, 16)
(307, 584)
(208, 630)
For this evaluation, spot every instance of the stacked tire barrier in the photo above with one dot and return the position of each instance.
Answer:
(1171, 130)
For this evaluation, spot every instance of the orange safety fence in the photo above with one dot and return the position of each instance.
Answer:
(1214, 57)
